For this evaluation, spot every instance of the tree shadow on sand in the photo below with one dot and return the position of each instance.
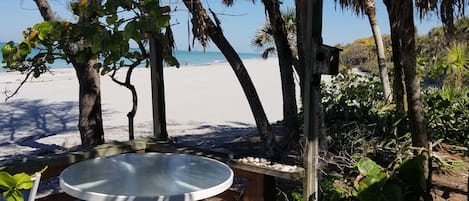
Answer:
(221, 138)
(23, 122)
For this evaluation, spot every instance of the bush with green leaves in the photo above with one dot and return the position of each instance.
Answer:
(406, 181)
(354, 100)
(447, 113)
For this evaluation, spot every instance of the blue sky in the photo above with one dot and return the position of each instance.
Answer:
(239, 22)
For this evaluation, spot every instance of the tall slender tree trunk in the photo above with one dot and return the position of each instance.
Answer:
(402, 14)
(199, 16)
(399, 92)
(284, 52)
(370, 10)
(409, 61)
(90, 114)
(300, 66)
(403, 30)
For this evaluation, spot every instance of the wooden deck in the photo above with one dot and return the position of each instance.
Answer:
(258, 182)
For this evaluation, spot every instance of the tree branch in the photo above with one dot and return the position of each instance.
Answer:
(17, 88)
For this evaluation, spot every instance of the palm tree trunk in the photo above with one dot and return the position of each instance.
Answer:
(290, 108)
(398, 82)
(215, 33)
(383, 70)
(300, 66)
(409, 61)
(90, 114)
(403, 29)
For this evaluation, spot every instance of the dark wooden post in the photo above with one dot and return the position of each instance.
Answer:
(312, 124)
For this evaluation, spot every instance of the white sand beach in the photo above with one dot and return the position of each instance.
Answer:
(199, 100)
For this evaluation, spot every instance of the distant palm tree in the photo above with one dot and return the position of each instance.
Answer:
(263, 39)
(368, 7)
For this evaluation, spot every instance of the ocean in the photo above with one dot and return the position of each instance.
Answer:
(185, 58)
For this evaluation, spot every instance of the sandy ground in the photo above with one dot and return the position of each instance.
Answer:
(207, 99)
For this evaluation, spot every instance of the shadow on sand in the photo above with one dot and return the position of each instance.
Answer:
(219, 137)
(23, 122)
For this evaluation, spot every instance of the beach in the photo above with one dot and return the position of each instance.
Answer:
(205, 99)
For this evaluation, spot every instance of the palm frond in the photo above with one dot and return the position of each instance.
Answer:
(228, 3)
(268, 51)
(355, 5)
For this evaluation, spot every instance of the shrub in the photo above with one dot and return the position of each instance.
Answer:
(447, 113)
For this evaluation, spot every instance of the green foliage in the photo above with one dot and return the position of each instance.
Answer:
(11, 186)
(361, 54)
(107, 39)
(447, 113)
(374, 183)
(264, 40)
(354, 98)
(293, 192)
(444, 60)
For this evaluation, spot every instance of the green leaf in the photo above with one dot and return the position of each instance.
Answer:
(162, 21)
(411, 172)
(56, 31)
(172, 61)
(9, 48)
(24, 48)
(369, 195)
(131, 30)
(23, 181)
(392, 192)
(6, 180)
(44, 29)
(368, 167)
(15, 195)
(297, 196)
(111, 19)
(112, 5)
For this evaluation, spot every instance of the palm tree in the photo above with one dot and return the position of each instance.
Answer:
(403, 29)
(204, 28)
(368, 7)
(401, 18)
(458, 62)
(263, 38)
(285, 59)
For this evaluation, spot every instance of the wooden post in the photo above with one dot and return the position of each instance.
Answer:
(312, 121)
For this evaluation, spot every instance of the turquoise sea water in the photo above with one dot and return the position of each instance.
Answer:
(185, 58)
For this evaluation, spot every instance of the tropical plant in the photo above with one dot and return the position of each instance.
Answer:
(405, 182)
(361, 54)
(12, 185)
(458, 63)
(401, 19)
(285, 59)
(447, 112)
(264, 40)
(352, 98)
(82, 43)
(368, 7)
(49, 37)
(203, 29)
